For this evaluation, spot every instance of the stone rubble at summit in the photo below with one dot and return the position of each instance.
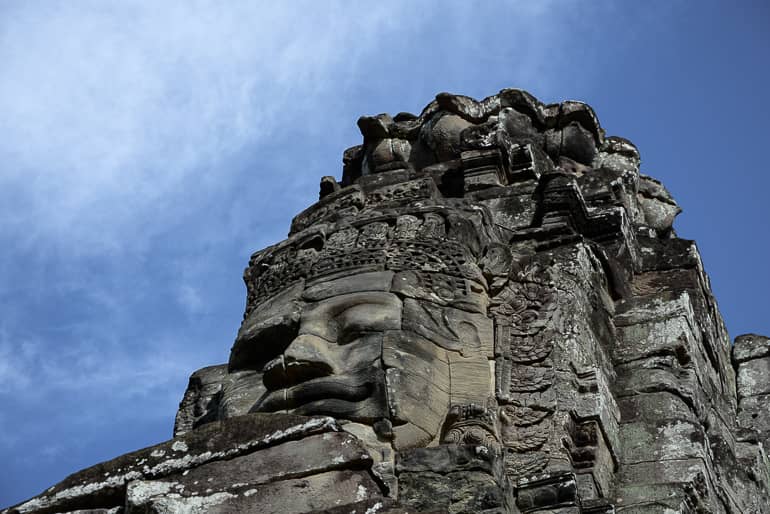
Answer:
(489, 313)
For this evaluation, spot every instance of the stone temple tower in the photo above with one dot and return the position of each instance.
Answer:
(489, 312)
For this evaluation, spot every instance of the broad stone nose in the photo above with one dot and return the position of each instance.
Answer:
(307, 357)
(307, 350)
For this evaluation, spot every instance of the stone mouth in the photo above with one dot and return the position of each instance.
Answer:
(282, 373)
(348, 388)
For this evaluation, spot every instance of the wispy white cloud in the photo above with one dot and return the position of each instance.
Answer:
(99, 362)
(109, 108)
(13, 375)
(190, 298)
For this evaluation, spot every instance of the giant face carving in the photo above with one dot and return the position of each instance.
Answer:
(415, 300)
(379, 307)
(378, 348)
(333, 365)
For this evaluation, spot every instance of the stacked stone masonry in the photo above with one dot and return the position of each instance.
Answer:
(489, 313)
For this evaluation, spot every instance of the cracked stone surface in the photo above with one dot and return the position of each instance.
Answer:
(489, 312)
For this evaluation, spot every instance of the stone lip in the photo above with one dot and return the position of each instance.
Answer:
(104, 485)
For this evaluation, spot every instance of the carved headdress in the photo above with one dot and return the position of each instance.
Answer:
(432, 239)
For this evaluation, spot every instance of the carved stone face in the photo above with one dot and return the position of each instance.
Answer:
(333, 365)
(375, 348)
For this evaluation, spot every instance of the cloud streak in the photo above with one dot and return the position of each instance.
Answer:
(110, 110)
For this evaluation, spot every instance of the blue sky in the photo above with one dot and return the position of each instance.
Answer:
(147, 148)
